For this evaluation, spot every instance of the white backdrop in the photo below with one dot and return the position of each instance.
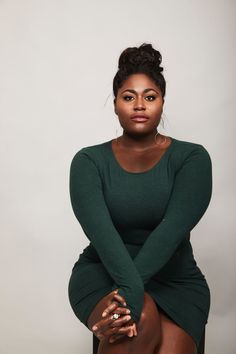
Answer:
(57, 62)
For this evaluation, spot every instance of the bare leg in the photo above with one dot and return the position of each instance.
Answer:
(174, 340)
(148, 330)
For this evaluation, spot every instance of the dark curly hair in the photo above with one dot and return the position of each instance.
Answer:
(144, 59)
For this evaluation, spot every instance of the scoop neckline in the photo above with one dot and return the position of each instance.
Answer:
(169, 148)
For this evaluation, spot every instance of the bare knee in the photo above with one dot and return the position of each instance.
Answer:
(149, 325)
(150, 314)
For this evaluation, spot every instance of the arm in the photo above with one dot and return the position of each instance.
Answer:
(188, 202)
(90, 209)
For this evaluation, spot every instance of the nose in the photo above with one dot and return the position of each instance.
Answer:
(139, 104)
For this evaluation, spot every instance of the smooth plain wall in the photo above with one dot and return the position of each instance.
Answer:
(57, 62)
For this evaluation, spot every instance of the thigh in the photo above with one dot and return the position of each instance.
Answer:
(174, 340)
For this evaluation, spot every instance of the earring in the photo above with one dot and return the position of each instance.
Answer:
(117, 132)
(156, 136)
(162, 121)
(116, 135)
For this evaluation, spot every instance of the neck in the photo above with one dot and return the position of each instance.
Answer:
(139, 142)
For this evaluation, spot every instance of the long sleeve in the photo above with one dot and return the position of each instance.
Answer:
(90, 209)
(188, 202)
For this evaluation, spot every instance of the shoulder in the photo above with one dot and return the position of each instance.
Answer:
(184, 151)
(94, 153)
(187, 147)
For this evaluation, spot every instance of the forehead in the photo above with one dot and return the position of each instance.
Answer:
(139, 82)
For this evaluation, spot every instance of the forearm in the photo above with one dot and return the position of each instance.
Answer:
(91, 211)
(190, 197)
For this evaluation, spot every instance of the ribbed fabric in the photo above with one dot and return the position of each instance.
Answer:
(138, 225)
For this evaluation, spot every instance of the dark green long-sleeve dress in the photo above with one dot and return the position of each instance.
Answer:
(138, 225)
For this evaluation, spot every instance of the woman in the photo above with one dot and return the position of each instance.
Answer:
(137, 286)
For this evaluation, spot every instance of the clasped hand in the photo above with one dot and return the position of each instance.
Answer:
(115, 329)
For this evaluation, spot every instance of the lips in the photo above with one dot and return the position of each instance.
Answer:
(140, 118)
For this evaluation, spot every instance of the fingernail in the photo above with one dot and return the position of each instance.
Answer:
(94, 328)
(128, 318)
(130, 335)
(124, 304)
(127, 311)
(104, 314)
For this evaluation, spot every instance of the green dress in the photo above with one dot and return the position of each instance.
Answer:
(138, 225)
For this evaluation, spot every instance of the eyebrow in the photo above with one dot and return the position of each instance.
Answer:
(146, 90)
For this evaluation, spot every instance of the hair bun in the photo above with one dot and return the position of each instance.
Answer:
(144, 56)
(135, 60)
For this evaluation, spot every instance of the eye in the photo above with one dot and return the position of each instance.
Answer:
(127, 97)
(153, 98)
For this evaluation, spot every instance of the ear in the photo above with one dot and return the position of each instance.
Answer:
(114, 101)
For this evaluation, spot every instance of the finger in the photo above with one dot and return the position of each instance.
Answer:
(122, 311)
(118, 330)
(118, 310)
(110, 322)
(126, 332)
(120, 299)
(116, 337)
(110, 308)
(135, 330)
(110, 331)
(120, 321)
(130, 332)
(102, 324)
(111, 295)
(115, 330)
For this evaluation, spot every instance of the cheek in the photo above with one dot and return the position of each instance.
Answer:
(158, 110)
(123, 110)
